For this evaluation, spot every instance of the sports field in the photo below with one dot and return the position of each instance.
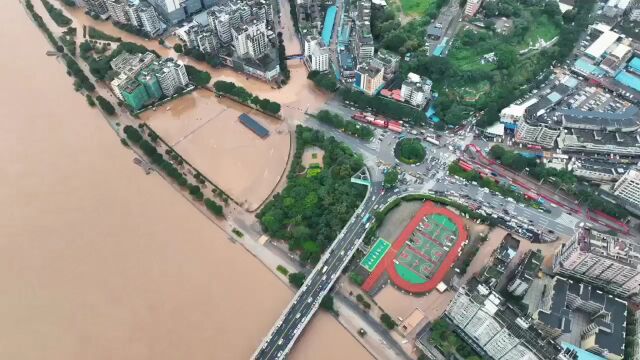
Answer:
(423, 253)
(377, 252)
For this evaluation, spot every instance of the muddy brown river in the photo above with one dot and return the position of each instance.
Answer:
(98, 260)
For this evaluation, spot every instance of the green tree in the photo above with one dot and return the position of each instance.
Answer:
(410, 151)
(90, 101)
(297, 279)
(178, 48)
(387, 321)
(198, 77)
(390, 178)
(106, 106)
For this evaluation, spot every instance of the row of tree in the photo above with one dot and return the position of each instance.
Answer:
(536, 169)
(348, 126)
(198, 77)
(134, 136)
(242, 95)
(210, 58)
(310, 212)
(56, 14)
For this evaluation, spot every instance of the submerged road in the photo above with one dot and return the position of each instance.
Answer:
(291, 324)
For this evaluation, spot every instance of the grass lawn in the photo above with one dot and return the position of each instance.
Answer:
(416, 7)
(543, 29)
(468, 58)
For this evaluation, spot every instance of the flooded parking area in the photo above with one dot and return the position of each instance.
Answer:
(206, 131)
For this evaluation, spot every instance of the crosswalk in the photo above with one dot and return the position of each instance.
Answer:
(567, 220)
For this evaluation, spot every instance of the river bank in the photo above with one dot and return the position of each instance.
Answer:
(101, 261)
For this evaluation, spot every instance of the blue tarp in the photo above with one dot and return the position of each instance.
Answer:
(327, 29)
(431, 114)
(628, 79)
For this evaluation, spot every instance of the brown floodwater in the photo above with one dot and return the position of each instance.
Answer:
(99, 261)
(206, 131)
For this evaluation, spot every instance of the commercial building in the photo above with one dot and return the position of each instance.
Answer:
(526, 272)
(175, 11)
(599, 142)
(472, 8)
(316, 53)
(628, 187)
(369, 79)
(537, 134)
(602, 260)
(604, 333)
(416, 90)
(495, 329)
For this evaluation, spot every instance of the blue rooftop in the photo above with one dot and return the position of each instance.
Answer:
(629, 79)
(586, 67)
(253, 125)
(327, 29)
(582, 354)
(634, 64)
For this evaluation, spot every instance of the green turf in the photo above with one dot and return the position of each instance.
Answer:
(543, 29)
(377, 252)
(409, 275)
(417, 7)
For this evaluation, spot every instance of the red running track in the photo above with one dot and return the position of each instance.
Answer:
(387, 265)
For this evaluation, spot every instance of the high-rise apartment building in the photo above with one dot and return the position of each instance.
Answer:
(369, 79)
(149, 20)
(416, 90)
(97, 6)
(171, 75)
(118, 10)
(495, 329)
(250, 40)
(316, 54)
(600, 259)
(628, 187)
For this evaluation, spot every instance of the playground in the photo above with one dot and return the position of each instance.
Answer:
(422, 254)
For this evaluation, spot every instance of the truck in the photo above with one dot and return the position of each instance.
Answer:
(433, 141)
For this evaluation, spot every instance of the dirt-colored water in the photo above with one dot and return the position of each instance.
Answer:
(206, 131)
(99, 261)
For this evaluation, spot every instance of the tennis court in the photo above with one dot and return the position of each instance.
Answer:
(376, 254)
(424, 252)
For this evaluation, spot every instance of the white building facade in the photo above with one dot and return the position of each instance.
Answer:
(628, 187)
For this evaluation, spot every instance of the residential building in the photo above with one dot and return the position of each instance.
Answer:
(604, 334)
(472, 8)
(634, 14)
(171, 75)
(116, 83)
(369, 79)
(147, 19)
(526, 272)
(250, 40)
(221, 22)
(538, 134)
(495, 329)
(118, 10)
(599, 142)
(131, 64)
(134, 94)
(628, 187)
(364, 45)
(499, 261)
(97, 6)
(199, 37)
(416, 90)
(316, 53)
(388, 61)
(602, 260)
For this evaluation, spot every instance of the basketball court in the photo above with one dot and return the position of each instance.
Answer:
(423, 253)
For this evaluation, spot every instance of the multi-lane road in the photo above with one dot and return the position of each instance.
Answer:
(291, 324)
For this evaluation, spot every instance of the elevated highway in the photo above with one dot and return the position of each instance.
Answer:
(300, 310)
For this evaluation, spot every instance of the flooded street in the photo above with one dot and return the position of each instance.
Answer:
(99, 261)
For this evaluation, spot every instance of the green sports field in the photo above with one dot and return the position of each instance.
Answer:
(376, 254)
